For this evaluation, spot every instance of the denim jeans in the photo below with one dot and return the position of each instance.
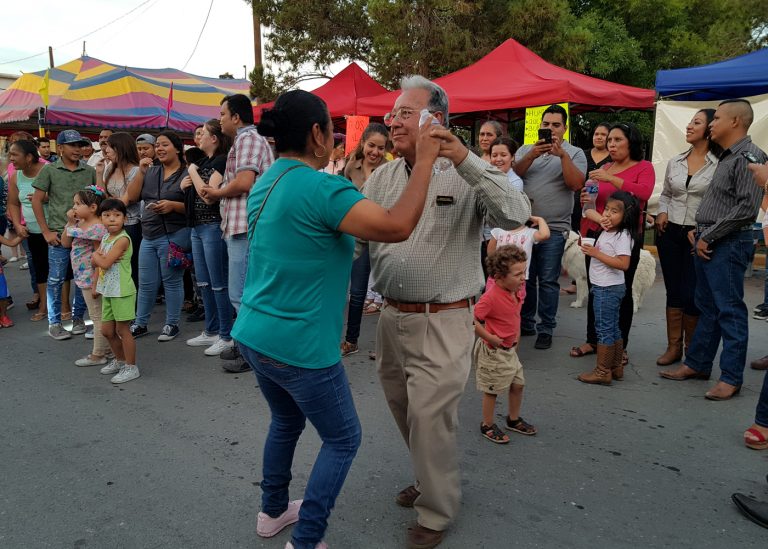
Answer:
(607, 300)
(58, 265)
(153, 266)
(211, 269)
(358, 289)
(79, 306)
(542, 287)
(761, 413)
(627, 308)
(720, 298)
(678, 268)
(237, 249)
(295, 395)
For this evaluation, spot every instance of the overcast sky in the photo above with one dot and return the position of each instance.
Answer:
(149, 34)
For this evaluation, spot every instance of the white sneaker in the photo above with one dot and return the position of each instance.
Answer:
(112, 367)
(88, 361)
(203, 340)
(219, 347)
(321, 545)
(126, 373)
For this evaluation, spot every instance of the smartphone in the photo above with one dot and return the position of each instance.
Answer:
(546, 135)
(750, 157)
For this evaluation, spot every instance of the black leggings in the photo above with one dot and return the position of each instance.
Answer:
(38, 247)
(627, 307)
(677, 266)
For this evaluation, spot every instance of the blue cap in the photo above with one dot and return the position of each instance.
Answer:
(70, 137)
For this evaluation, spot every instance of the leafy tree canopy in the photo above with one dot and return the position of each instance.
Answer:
(625, 42)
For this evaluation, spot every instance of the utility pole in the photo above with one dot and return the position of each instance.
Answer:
(50, 55)
(256, 39)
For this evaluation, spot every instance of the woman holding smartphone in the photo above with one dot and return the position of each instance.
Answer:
(163, 221)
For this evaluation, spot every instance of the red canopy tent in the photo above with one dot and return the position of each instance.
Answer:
(513, 77)
(341, 92)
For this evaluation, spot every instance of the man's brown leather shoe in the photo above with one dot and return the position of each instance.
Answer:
(423, 538)
(722, 391)
(760, 363)
(407, 496)
(683, 372)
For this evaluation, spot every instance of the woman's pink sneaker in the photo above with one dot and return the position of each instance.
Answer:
(267, 526)
(6, 322)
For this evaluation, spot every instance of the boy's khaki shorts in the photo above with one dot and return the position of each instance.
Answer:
(497, 369)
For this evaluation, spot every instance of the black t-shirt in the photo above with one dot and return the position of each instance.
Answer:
(154, 225)
(198, 212)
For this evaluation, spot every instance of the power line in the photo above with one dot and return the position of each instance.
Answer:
(199, 36)
(79, 37)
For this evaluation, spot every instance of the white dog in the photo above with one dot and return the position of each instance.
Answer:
(573, 262)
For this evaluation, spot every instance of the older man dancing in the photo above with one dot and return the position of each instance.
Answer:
(429, 283)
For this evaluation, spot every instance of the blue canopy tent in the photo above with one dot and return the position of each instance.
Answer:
(743, 76)
(682, 92)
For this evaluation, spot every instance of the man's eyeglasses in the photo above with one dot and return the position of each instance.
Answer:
(403, 113)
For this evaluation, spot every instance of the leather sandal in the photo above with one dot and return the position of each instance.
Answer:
(494, 434)
(578, 351)
(755, 439)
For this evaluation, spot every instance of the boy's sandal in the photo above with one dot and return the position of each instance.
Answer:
(372, 308)
(521, 426)
(580, 351)
(494, 434)
(38, 316)
(755, 439)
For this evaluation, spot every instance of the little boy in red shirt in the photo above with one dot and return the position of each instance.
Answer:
(497, 325)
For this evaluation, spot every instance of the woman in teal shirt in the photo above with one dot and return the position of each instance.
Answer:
(301, 228)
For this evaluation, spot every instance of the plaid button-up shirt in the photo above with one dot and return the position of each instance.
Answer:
(440, 262)
(249, 152)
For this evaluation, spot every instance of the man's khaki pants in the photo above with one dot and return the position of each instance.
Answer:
(423, 361)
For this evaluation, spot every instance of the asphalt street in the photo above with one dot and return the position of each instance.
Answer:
(172, 460)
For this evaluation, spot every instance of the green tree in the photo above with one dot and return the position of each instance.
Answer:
(626, 42)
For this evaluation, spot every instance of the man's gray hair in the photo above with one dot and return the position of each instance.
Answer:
(438, 99)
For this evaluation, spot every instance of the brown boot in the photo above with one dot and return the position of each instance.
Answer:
(601, 375)
(689, 326)
(617, 365)
(674, 350)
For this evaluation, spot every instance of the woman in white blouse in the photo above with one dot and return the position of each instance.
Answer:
(687, 178)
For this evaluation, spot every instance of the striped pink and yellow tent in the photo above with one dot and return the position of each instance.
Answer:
(88, 92)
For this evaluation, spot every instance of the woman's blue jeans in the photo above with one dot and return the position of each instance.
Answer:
(295, 395)
(607, 300)
(211, 272)
(358, 288)
(153, 266)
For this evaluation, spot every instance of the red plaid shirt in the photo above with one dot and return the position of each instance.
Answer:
(249, 152)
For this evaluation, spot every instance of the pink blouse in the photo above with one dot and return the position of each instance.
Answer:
(639, 180)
